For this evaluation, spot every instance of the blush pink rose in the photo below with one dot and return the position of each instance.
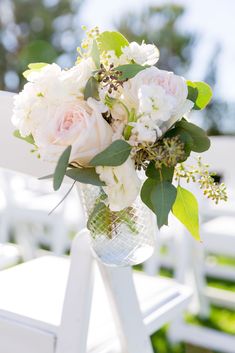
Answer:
(74, 123)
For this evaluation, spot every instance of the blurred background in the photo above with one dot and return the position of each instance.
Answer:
(196, 40)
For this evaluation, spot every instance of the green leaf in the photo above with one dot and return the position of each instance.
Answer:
(201, 141)
(131, 118)
(159, 197)
(146, 191)
(129, 70)
(85, 175)
(200, 93)
(28, 139)
(33, 67)
(185, 209)
(114, 155)
(163, 174)
(91, 89)
(112, 41)
(61, 167)
(163, 197)
(95, 54)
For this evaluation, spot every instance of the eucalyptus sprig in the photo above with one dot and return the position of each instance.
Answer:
(200, 174)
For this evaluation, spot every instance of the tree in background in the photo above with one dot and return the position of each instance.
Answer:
(160, 25)
(219, 115)
(34, 31)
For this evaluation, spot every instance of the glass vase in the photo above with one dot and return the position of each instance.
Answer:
(123, 238)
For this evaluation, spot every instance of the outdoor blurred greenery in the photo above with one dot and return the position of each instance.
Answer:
(36, 31)
(50, 30)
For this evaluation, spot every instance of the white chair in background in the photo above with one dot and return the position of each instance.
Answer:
(193, 265)
(25, 214)
(218, 228)
(46, 303)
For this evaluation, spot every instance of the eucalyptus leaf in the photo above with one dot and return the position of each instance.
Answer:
(163, 197)
(95, 54)
(201, 141)
(200, 93)
(114, 155)
(146, 191)
(91, 89)
(61, 167)
(159, 197)
(112, 41)
(28, 139)
(129, 70)
(185, 209)
(85, 176)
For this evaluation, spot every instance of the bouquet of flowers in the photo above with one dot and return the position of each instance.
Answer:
(116, 121)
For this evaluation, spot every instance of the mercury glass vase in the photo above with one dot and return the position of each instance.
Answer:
(123, 238)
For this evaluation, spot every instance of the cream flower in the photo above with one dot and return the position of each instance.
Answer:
(122, 184)
(144, 54)
(159, 98)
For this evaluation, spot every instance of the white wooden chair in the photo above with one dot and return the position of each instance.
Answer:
(218, 235)
(46, 303)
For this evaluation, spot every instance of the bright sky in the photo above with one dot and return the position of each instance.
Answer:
(213, 20)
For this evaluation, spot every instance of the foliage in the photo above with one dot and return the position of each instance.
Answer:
(114, 155)
(201, 175)
(34, 31)
(218, 116)
(61, 168)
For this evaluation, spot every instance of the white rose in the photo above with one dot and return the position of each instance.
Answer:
(122, 184)
(144, 54)
(159, 95)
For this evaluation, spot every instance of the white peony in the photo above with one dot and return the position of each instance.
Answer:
(159, 98)
(144, 54)
(122, 184)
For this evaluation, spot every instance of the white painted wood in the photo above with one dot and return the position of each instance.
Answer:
(219, 235)
(18, 338)
(221, 297)
(9, 255)
(203, 337)
(126, 311)
(41, 284)
(72, 335)
(217, 271)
